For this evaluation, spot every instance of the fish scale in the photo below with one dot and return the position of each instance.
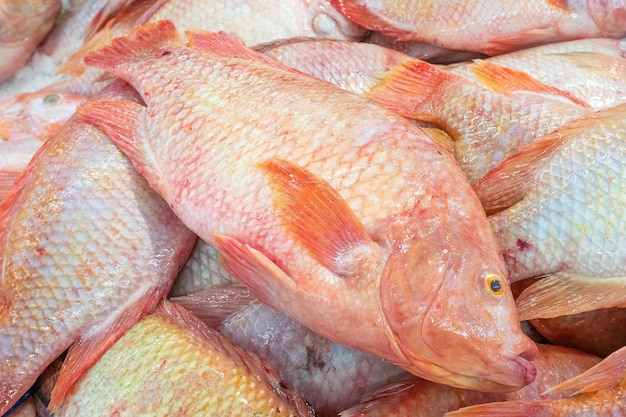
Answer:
(85, 240)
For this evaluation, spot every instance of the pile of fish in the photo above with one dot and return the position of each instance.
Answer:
(312, 208)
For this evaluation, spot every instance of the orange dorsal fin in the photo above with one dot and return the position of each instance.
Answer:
(568, 293)
(508, 183)
(214, 305)
(104, 15)
(224, 44)
(267, 281)
(151, 39)
(506, 408)
(605, 375)
(413, 89)
(84, 353)
(118, 118)
(505, 80)
(319, 219)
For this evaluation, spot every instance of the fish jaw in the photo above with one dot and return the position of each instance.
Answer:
(444, 320)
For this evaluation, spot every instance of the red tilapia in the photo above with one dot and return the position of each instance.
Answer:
(86, 249)
(486, 26)
(332, 209)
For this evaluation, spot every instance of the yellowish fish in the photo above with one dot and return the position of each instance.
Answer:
(171, 364)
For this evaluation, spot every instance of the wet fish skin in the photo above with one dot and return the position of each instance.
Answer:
(595, 68)
(23, 24)
(168, 364)
(568, 186)
(86, 244)
(241, 204)
(331, 377)
(486, 27)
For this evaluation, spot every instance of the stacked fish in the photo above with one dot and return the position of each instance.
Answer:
(321, 207)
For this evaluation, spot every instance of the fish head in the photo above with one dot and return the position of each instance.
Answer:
(449, 312)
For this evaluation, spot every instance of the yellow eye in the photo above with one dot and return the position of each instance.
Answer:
(495, 284)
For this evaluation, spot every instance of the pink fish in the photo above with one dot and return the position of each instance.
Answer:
(23, 24)
(331, 209)
(36, 115)
(87, 249)
(14, 158)
(486, 26)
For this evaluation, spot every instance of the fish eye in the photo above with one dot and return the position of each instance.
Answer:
(494, 284)
(51, 99)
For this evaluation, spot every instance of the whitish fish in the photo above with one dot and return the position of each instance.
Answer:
(86, 248)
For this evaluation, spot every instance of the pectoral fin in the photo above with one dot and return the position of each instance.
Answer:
(316, 215)
(566, 293)
(605, 375)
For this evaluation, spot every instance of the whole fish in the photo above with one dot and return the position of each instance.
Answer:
(566, 216)
(331, 209)
(595, 68)
(171, 364)
(23, 24)
(602, 390)
(87, 248)
(420, 398)
(254, 21)
(330, 376)
(202, 271)
(36, 115)
(485, 26)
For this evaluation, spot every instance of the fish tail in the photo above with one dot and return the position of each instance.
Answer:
(149, 40)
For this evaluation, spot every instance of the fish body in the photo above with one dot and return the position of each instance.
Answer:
(420, 398)
(595, 68)
(353, 66)
(401, 245)
(566, 199)
(170, 364)
(331, 377)
(86, 248)
(23, 24)
(36, 115)
(487, 27)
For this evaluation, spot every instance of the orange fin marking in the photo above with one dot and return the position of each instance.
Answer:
(118, 118)
(504, 80)
(566, 293)
(508, 183)
(266, 280)
(605, 375)
(360, 14)
(7, 179)
(149, 40)
(214, 305)
(506, 408)
(560, 4)
(105, 14)
(84, 353)
(229, 45)
(413, 89)
(316, 215)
